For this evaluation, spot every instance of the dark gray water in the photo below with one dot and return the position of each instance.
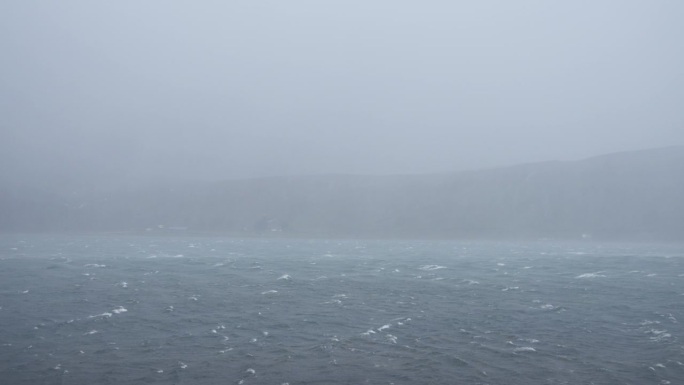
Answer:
(129, 310)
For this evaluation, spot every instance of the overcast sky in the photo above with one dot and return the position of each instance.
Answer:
(226, 89)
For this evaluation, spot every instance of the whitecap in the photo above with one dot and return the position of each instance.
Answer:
(431, 267)
(103, 315)
(511, 288)
(119, 310)
(182, 365)
(383, 327)
(658, 335)
(369, 332)
(93, 265)
(90, 332)
(269, 292)
(524, 349)
(392, 338)
(591, 275)
(285, 277)
(251, 371)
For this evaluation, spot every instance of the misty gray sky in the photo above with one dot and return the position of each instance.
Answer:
(225, 89)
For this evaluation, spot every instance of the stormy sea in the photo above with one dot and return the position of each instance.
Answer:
(206, 310)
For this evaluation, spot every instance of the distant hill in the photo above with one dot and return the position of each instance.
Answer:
(631, 195)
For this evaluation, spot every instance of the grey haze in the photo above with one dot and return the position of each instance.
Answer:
(109, 91)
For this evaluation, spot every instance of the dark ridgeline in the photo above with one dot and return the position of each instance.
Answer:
(631, 195)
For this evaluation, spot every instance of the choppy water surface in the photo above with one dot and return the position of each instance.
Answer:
(128, 310)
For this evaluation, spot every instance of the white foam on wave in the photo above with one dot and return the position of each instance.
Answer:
(391, 338)
(103, 315)
(591, 275)
(524, 349)
(93, 265)
(123, 284)
(90, 332)
(119, 310)
(510, 288)
(383, 327)
(269, 292)
(431, 267)
(658, 335)
(285, 277)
